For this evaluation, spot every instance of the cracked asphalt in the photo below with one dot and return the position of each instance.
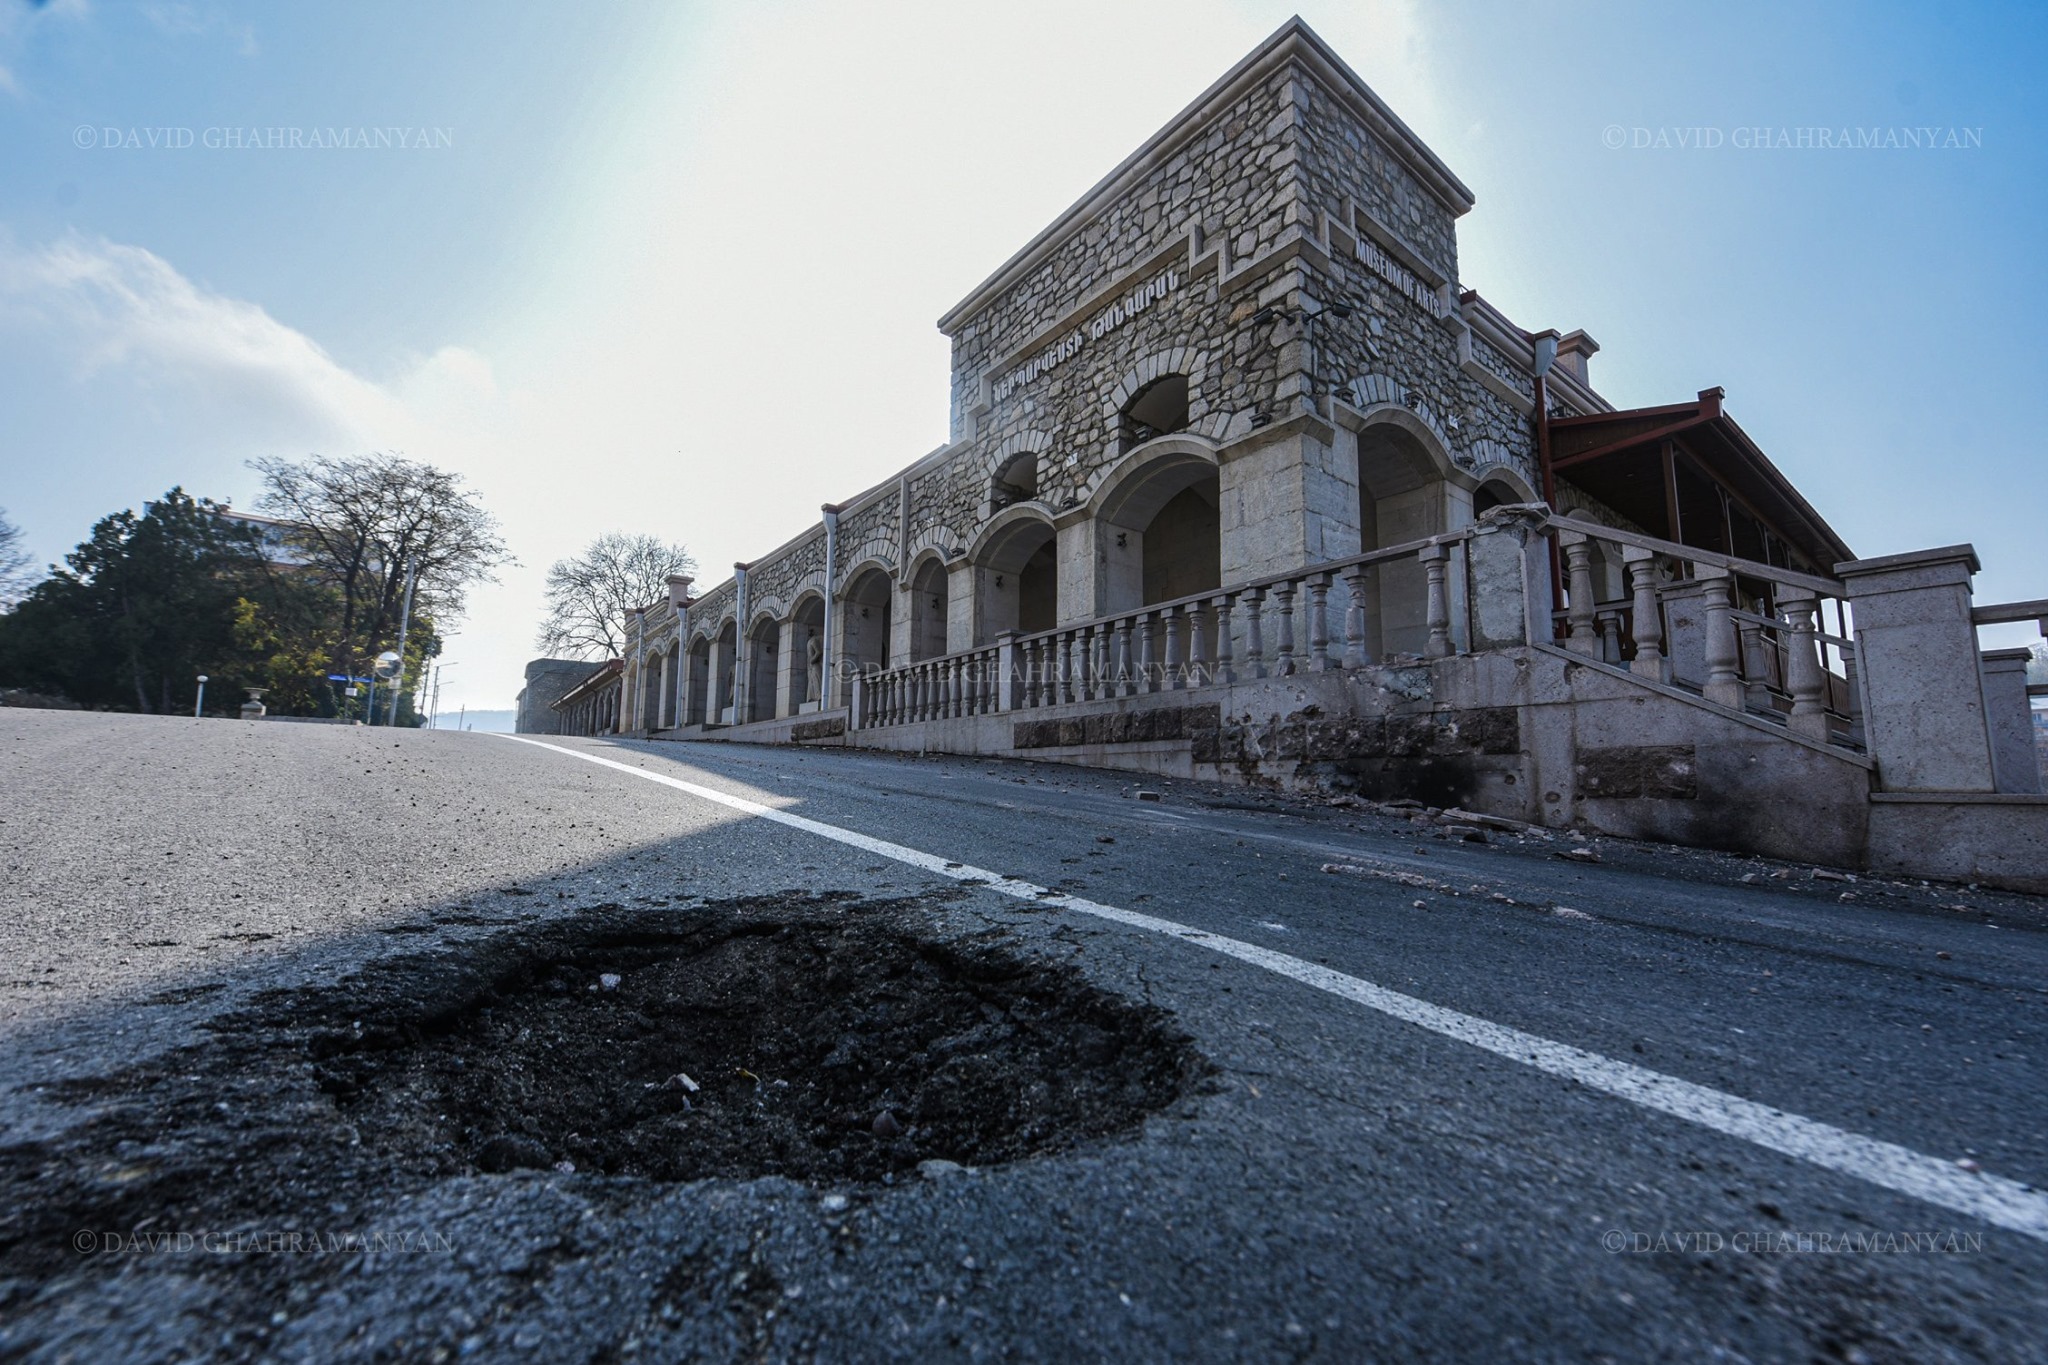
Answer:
(1345, 1186)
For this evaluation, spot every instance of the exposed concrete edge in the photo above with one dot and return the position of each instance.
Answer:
(1962, 798)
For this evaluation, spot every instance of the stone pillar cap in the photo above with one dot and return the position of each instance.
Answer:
(1913, 559)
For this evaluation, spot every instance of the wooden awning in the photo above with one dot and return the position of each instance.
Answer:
(1688, 473)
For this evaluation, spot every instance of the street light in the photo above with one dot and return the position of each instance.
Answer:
(200, 700)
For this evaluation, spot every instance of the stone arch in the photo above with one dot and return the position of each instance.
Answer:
(1406, 483)
(1185, 361)
(803, 667)
(725, 655)
(1499, 485)
(1016, 471)
(764, 645)
(1157, 524)
(1015, 566)
(1377, 395)
(866, 605)
(928, 592)
(870, 549)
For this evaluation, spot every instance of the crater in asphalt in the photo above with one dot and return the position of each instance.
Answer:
(826, 1039)
(813, 1041)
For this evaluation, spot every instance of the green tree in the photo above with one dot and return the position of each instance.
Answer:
(145, 605)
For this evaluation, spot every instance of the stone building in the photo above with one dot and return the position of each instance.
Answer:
(547, 680)
(1243, 482)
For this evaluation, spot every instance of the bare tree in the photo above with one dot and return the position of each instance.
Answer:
(363, 521)
(14, 562)
(588, 595)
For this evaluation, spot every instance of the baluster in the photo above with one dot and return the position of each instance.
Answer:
(1578, 558)
(1174, 627)
(1435, 564)
(1255, 627)
(1724, 678)
(1063, 667)
(1098, 662)
(1283, 593)
(1225, 674)
(1648, 624)
(1199, 674)
(1354, 616)
(1319, 622)
(1126, 684)
(1146, 682)
(1852, 702)
(1803, 678)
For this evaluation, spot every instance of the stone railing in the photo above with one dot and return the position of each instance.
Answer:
(1738, 632)
(2016, 757)
(1269, 627)
(964, 684)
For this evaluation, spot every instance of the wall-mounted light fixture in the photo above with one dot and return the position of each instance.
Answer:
(1123, 541)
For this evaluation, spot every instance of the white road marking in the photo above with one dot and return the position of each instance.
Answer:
(1997, 1200)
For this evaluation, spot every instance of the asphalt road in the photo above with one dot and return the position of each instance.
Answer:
(1347, 1185)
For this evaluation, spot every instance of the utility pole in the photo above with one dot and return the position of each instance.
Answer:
(404, 620)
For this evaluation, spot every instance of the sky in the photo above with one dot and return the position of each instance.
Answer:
(675, 268)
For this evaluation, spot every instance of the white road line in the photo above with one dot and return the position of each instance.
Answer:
(1995, 1199)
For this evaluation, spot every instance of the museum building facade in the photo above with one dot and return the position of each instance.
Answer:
(1242, 483)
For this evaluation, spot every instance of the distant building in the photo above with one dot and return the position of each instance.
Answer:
(547, 682)
(591, 707)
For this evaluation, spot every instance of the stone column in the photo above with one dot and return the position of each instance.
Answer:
(2011, 718)
(787, 661)
(1918, 653)
(829, 690)
(742, 649)
(679, 585)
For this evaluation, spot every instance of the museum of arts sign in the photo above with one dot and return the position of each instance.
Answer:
(1105, 322)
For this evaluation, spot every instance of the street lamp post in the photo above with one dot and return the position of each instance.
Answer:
(199, 701)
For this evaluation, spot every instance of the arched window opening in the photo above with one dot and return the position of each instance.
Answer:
(1159, 408)
(1183, 546)
(928, 611)
(1016, 581)
(1016, 481)
(864, 643)
(1493, 493)
(697, 682)
(1159, 536)
(805, 665)
(1401, 498)
(761, 676)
